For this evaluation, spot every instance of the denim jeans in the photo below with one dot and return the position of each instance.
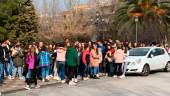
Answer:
(61, 70)
(45, 71)
(1, 72)
(11, 66)
(17, 69)
(85, 70)
(6, 69)
(94, 70)
(28, 74)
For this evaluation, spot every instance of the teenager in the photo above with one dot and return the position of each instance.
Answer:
(72, 62)
(3, 60)
(86, 62)
(61, 59)
(94, 61)
(31, 76)
(109, 60)
(119, 57)
(45, 64)
(17, 55)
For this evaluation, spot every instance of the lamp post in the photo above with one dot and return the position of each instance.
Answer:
(98, 21)
(136, 22)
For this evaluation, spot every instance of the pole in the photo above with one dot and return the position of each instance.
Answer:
(136, 21)
(136, 32)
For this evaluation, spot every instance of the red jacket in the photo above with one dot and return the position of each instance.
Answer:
(85, 53)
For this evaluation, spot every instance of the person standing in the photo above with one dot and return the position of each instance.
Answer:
(3, 61)
(86, 62)
(119, 57)
(94, 61)
(44, 63)
(17, 55)
(72, 62)
(31, 74)
(61, 59)
(109, 60)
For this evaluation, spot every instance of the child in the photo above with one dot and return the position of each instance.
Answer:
(45, 64)
(31, 74)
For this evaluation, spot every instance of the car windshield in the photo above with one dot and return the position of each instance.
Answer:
(138, 51)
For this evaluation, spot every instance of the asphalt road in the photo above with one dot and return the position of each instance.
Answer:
(156, 84)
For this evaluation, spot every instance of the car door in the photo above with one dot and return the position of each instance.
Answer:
(153, 59)
(162, 58)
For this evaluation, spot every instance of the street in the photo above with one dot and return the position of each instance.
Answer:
(156, 84)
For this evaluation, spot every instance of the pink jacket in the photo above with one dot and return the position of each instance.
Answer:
(61, 54)
(119, 56)
(94, 58)
(85, 52)
(30, 60)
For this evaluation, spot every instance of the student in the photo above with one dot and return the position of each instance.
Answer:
(86, 62)
(72, 62)
(31, 76)
(45, 64)
(119, 57)
(17, 55)
(94, 61)
(109, 60)
(3, 60)
(61, 59)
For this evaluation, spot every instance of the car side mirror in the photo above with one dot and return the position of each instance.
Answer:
(151, 56)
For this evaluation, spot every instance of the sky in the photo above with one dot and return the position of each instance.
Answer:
(39, 4)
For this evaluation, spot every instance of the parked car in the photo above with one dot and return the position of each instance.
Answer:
(145, 59)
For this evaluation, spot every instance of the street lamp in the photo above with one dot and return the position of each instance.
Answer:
(98, 20)
(136, 22)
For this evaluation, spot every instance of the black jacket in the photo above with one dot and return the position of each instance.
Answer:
(2, 59)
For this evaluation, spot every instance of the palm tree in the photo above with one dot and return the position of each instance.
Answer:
(152, 15)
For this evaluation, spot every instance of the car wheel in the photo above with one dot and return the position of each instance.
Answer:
(167, 67)
(146, 70)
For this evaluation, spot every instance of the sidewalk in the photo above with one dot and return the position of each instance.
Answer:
(11, 86)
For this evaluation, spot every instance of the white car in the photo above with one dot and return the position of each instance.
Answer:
(145, 59)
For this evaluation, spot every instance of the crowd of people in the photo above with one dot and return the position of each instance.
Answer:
(63, 61)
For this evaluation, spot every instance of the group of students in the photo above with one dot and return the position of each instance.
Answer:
(62, 61)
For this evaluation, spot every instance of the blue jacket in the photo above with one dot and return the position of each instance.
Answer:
(44, 58)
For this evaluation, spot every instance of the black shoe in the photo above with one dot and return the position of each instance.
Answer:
(91, 76)
(95, 77)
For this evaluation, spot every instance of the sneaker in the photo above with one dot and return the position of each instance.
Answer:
(27, 87)
(63, 81)
(50, 76)
(85, 78)
(97, 75)
(115, 76)
(37, 86)
(123, 76)
(120, 77)
(43, 80)
(12, 77)
(72, 83)
(21, 78)
(57, 78)
(9, 77)
(47, 80)
(75, 80)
